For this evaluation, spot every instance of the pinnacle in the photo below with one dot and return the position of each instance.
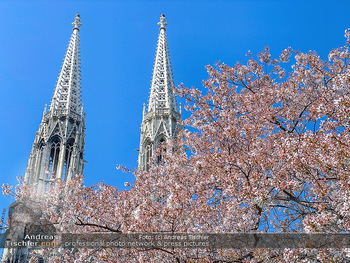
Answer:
(162, 22)
(76, 22)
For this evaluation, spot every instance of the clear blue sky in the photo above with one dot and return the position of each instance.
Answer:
(118, 44)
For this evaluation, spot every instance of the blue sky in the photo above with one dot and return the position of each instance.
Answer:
(118, 44)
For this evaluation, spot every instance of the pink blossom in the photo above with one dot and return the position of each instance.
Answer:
(6, 189)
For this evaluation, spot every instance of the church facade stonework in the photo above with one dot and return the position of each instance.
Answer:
(58, 147)
(160, 120)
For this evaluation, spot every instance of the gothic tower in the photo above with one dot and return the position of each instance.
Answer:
(160, 121)
(58, 146)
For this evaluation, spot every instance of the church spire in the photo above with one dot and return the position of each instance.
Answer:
(67, 97)
(161, 95)
(58, 146)
(160, 121)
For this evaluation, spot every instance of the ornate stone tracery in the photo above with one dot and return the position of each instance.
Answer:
(161, 119)
(59, 144)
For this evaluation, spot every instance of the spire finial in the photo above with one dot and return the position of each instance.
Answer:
(76, 22)
(162, 22)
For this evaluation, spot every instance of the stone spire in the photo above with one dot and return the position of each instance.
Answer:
(161, 95)
(160, 121)
(67, 97)
(57, 151)
(58, 146)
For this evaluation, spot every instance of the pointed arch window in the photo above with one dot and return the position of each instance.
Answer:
(160, 142)
(67, 160)
(54, 155)
(147, 155)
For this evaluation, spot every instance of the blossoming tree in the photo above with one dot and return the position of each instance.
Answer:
(266, 149)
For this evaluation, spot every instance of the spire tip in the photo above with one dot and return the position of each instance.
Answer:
(162, 22)
(76, 22)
